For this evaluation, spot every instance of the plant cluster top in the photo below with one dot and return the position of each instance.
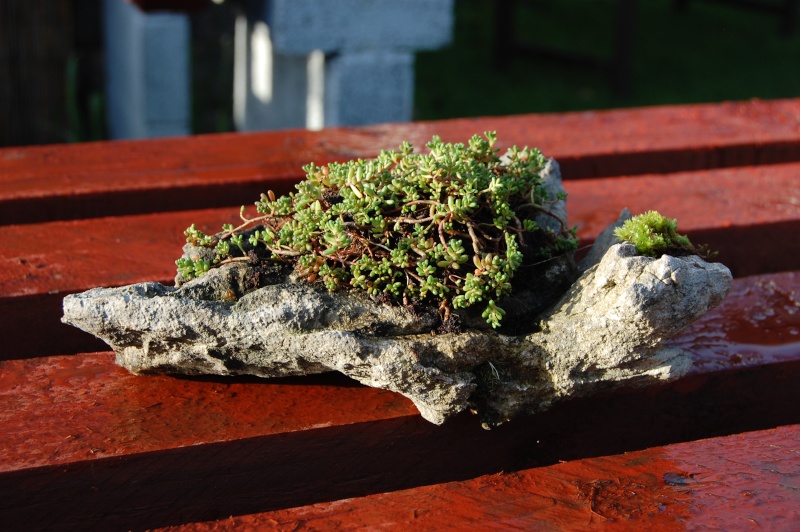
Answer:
(450, 226)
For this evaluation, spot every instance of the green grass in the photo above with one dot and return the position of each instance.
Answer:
(708, 53)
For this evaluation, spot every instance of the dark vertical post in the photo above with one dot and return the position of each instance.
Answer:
(789, 22)
(35, 42)
(504, 11)
(624, 42)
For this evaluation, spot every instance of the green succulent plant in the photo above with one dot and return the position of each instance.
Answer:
(446, 227)
(654, 235)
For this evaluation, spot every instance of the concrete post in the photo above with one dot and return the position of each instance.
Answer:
(269, 88)
(309, 63)
(369, 87)
(147, 72)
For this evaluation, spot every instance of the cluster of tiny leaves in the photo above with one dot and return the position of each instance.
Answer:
(445, 226)
(653, 234)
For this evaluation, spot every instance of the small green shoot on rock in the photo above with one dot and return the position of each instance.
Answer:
(654, 235)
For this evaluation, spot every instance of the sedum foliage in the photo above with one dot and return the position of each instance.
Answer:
(450, 226)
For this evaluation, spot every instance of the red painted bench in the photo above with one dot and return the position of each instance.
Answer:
(85, 444)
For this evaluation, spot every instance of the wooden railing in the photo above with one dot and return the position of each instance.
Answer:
(84, 444)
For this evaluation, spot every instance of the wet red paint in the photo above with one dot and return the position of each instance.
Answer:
(96, 179)
(758, 323)
(75, 255)
(722, 199)
(105, 411)
(732, 483)
(44, 262)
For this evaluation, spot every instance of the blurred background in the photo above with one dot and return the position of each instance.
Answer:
(499, 57)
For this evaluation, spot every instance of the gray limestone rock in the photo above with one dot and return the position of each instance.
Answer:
(605, 331)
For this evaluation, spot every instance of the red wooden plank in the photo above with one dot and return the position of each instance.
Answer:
(139, 452)
(74, 255)
(44, 262)
(104, 411)
(725, 198)
(100, 179)
(750, 215)
(730, 483)
(741, 212)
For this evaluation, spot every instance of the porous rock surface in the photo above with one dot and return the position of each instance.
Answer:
(605, 331)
